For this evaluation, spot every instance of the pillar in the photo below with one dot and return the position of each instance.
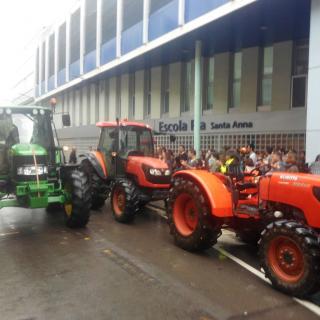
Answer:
(313, 110)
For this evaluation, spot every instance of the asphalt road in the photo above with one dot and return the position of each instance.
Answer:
(114, 271)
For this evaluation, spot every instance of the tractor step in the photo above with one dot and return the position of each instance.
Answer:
(247, 209)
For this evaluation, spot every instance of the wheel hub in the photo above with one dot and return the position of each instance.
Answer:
(286, 259)
(119, 201)
(185, 214)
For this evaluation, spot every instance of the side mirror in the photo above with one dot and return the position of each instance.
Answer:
(66, 120)
(173, 139)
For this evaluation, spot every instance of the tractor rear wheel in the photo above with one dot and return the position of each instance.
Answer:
(78, 203)
(290, 254)
(124, 201)
(189, 217)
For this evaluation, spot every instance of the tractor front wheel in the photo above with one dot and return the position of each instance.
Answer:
(99, 190)
(124, 201)
(189, 217)
(289, 255)
(78, 202)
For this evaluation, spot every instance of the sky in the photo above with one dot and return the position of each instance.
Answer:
(21, 22)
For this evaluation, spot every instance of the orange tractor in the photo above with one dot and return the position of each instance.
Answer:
(124, 167)
(279, 211)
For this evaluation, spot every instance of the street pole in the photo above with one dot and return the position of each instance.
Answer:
(197, 98)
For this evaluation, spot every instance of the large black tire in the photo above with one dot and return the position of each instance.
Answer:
(290, 255)
(99, 190)
(77, 208)
(124, 201)
(189, 217)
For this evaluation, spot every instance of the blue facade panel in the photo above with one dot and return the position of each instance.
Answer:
(89, 61)
(164, 20)
(74, 70)
(196, 8)
(108, 51)
(37, 91)
(61, 77)
(131, 38)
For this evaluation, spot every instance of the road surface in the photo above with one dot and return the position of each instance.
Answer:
(115, 271)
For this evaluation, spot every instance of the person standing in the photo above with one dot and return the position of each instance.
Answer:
(252, 154)
(182, 157)
(73, 156)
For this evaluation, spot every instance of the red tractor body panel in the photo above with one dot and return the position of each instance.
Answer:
(136, 166)
(100, 158)
(296, 190)
(217, 193)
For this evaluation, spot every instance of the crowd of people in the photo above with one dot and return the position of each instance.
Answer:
(271, 160)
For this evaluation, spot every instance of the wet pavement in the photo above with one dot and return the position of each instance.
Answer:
(115, 271)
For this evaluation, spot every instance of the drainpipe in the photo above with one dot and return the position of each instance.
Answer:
(197, 97)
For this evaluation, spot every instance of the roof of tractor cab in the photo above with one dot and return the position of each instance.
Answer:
(124, 123)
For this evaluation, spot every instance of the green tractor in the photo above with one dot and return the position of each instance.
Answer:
(33, 170)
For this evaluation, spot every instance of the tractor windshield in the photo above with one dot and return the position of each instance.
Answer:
(27, 126)
(136, 140)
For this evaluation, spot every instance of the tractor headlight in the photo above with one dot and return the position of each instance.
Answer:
(167, 172)
(31, 170)
(155, 172)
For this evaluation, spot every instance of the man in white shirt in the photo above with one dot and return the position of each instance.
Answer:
(252, 154)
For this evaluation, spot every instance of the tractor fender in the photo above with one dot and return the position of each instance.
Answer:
(215, 191)
(96, 159)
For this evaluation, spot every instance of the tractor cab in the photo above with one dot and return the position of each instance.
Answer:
(120, 141)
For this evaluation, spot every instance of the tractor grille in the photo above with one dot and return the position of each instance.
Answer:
(158, 179)
(22, 161)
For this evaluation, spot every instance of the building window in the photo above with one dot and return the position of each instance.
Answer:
(187, 86)
(132, 95)
(165, 88)
(90, 25)
(132, 13)
(51, 55)
(300, 73)
(148, 92)
(236, 81)
(62, 47)
(75, 37)
(209, 87)
(155, 5)
(266, 77)
(109, 20)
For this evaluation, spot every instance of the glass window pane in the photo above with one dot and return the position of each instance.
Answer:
(266, 91)
(109, 20)
(236, 94)
(237, 65)
(268, 60)
(132, 13)
(90, 25)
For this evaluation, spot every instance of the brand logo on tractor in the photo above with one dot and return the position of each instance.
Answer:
(290, 178)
